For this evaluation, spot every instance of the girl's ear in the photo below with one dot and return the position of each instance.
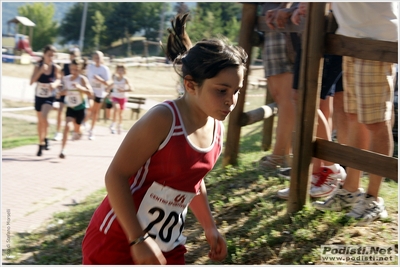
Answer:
(189, 84)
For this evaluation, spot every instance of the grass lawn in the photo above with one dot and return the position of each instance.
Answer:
(247, 211)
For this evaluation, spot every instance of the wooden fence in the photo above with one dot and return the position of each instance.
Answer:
(317, 40)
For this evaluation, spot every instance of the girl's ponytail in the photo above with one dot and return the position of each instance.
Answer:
(178, 40)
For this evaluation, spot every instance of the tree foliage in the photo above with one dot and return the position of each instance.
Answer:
(126, 19)
(214, 20)
(150, 19)
(98, 27)
(46, 29)
(71, 26)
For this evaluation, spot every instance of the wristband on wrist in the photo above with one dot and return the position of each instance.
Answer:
(140, 239)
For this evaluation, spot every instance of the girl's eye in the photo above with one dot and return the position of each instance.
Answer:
(222, 91)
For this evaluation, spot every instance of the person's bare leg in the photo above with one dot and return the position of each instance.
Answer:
(59, 117)
(46, 108)
(40, 127)
(339, 118)
(95, 111)
(326, 106)
(280, 88)
(381, 142)
(65, 135)
(323, 132)
(358, 137)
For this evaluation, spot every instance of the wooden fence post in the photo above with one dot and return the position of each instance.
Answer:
(249, 18)
(268, 125)
(308, 99)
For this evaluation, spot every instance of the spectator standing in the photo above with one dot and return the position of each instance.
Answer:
(278, 70)
(368, 98)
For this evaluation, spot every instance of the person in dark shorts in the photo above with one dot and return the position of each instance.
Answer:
(73, 53)
(326, 175)
(99, 78)
(76, 91)
(46, 75)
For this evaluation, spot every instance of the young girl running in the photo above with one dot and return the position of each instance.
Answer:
(120, 87)
(76, 91)
(99, 76)
(47, 76)
(159, 168)
(74, 53)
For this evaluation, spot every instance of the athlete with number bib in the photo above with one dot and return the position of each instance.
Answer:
(120, 86)
(99, 76)
(159, 169)
(76, 91)
(47, 75)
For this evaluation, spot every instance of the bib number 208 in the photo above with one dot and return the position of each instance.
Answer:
(172, 216)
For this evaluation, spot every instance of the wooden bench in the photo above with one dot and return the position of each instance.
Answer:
(134, 104)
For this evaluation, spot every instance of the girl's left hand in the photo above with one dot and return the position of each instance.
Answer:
(218, 248)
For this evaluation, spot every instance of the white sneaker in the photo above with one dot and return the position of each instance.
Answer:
(112, 129)
(368, 209)
(76, 136)
(119, 129)
(83, 127)
(91, 135)
(284, 193)
(58, 137)
(326, 181)
(340, 199)
(285, 173)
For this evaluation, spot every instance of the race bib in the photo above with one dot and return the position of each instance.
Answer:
(43, 90)
(73, 98)
(162, 214)
(117, 93)
(96, 84)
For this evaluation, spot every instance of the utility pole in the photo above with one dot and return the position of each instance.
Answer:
(83, 25)
(161, 32)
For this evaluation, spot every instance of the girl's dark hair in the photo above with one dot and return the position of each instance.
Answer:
(77, 61)
(45, 50)
(208, 57)
(49, 48)
(85, 62)
(205, 59)
(120, 66)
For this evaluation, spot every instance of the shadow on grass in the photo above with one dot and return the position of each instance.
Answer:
(245, 207)
(258, 230)
(59, 241)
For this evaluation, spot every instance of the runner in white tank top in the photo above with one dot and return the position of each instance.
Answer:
(120, 86)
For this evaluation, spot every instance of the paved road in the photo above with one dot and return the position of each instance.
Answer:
(33, 188)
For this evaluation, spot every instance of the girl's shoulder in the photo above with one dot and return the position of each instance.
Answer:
(160, 113)
(58, 67)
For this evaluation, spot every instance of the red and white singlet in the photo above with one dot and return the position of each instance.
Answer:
(162, 190)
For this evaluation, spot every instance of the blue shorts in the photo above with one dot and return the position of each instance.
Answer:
(331, 74)
(39, 101)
